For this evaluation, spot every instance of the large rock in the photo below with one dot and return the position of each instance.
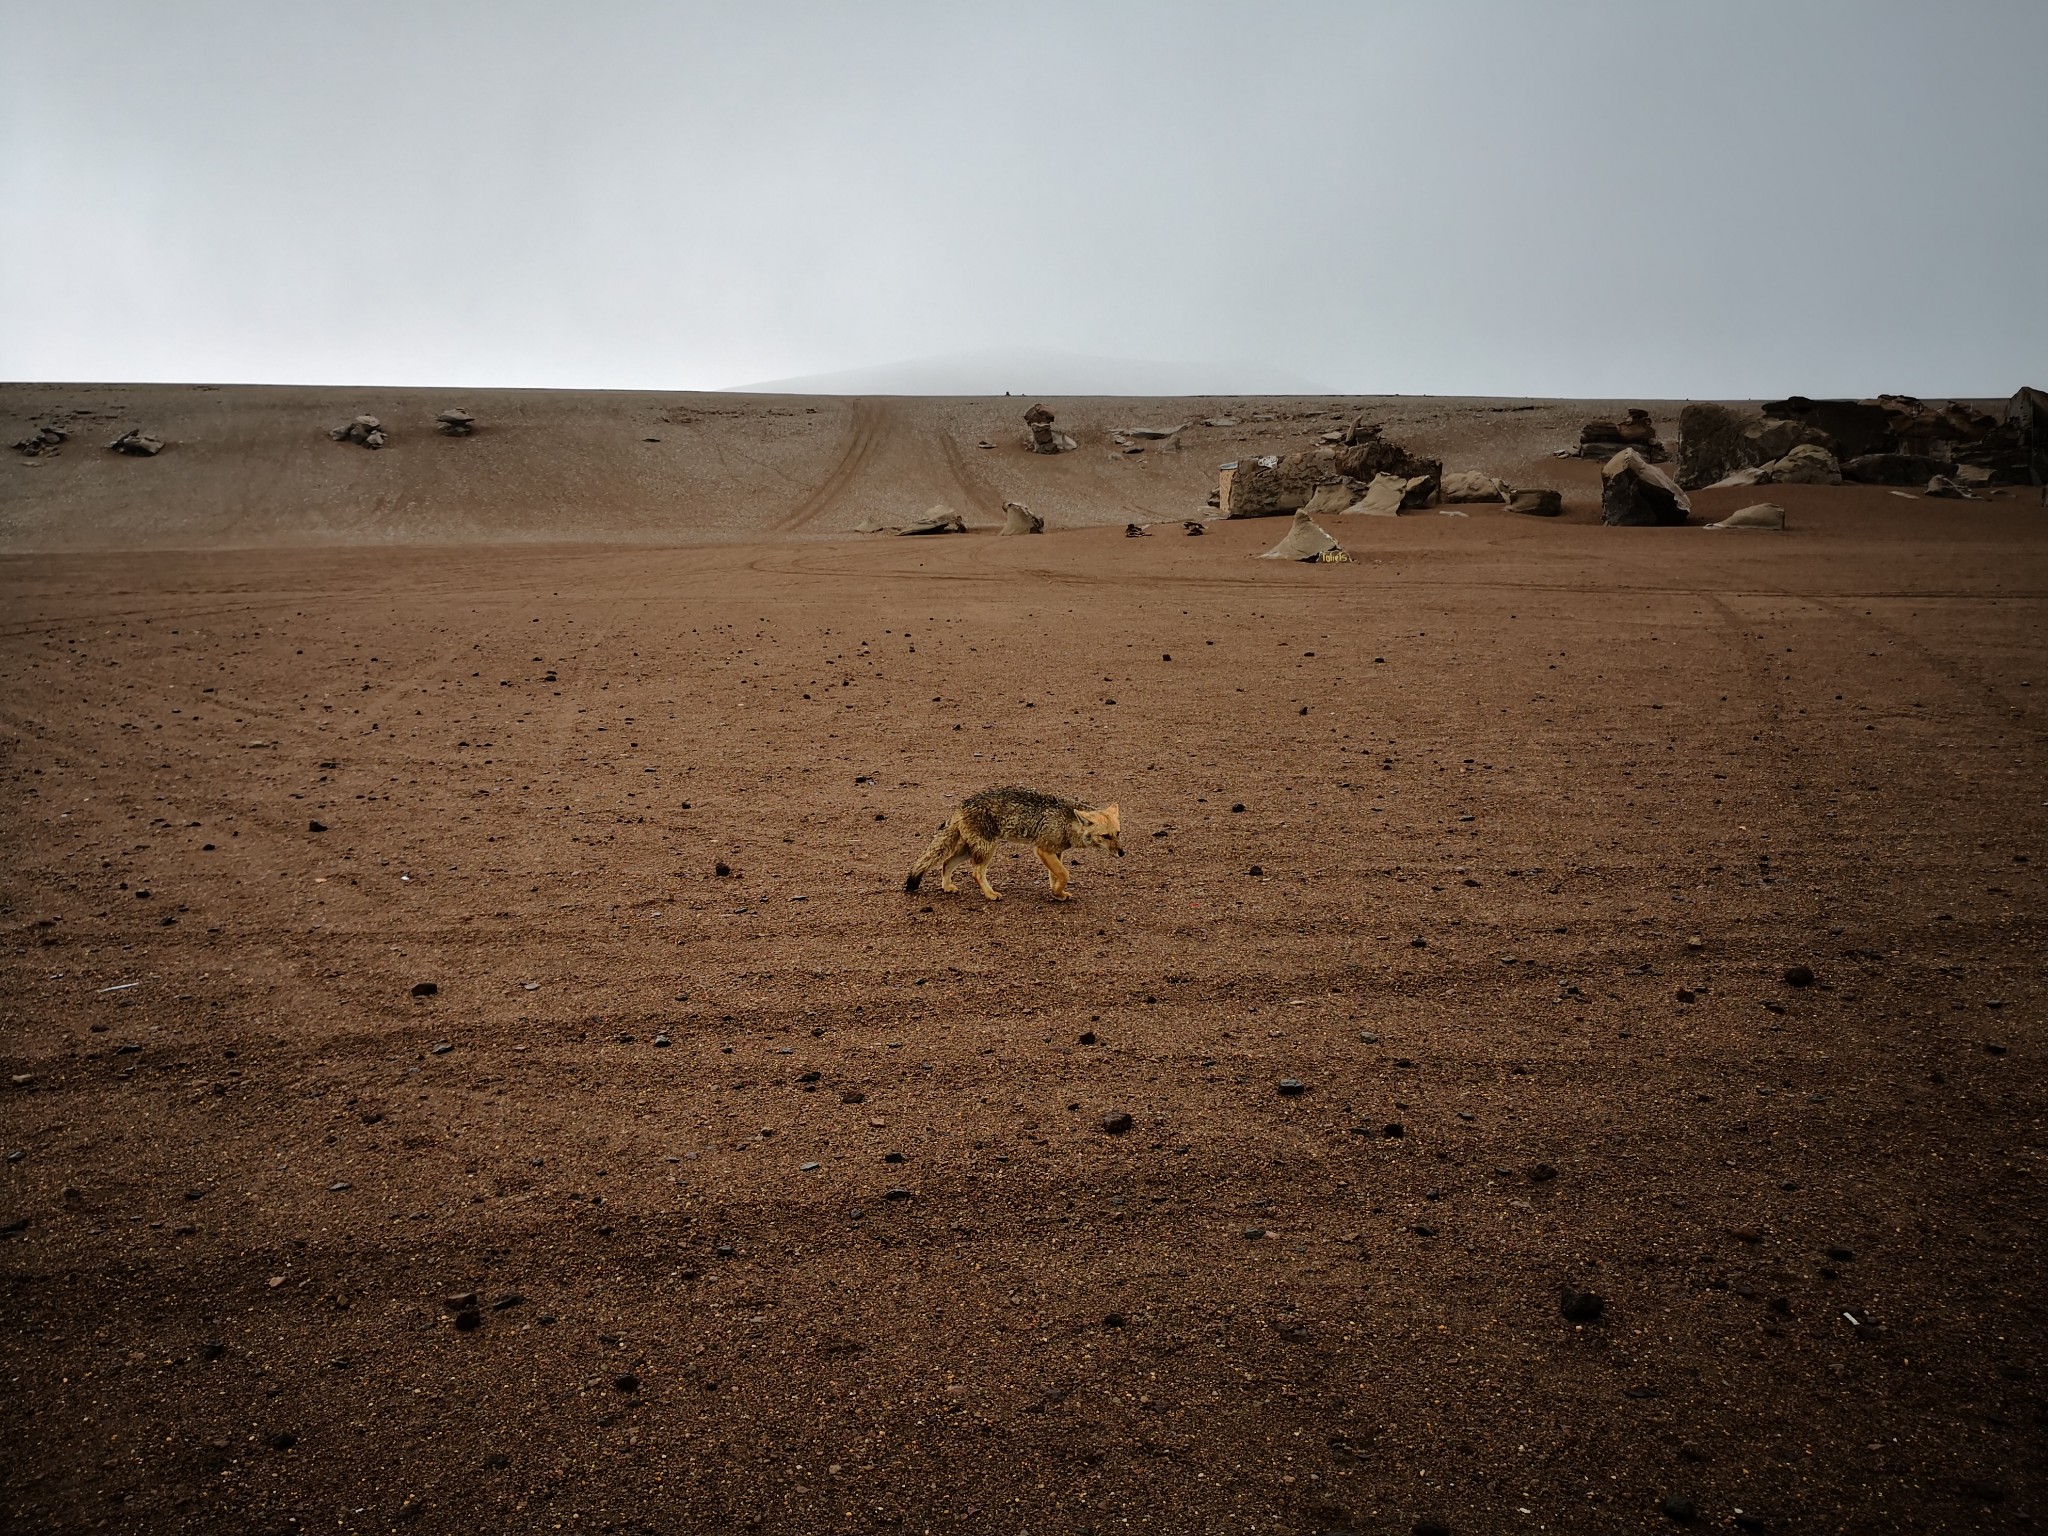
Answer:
(1808, 464)
(1306, 541)
(1391, 495)
(1774, 437)
(43, 440)
(1019, 519)
(1634, 493)
(1334, 496)
(2027, 414)
(1041, 438)
(141, 444)
(940, 519)
(1535, 502)
(1894, 468)
(1602, 439)
(365, 431)
(1468, 485)
(456, 422)
(1852, 427)
(1712, 442)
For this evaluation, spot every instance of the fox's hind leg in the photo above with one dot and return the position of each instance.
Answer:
(1056, 867)
(953, 861)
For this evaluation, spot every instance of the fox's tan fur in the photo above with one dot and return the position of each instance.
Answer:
(1008, 815)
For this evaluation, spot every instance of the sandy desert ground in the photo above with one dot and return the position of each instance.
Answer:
(1649, 913)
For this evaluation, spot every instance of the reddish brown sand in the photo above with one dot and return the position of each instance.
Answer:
(1506, 834)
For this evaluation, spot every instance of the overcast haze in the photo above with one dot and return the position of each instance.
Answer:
(1644, 199)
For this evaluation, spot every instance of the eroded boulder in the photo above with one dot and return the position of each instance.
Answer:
(1469, 485)
(1040, 436)
(1765, 514)
(364, 431)
(1635, 493)
(455, 422)
(1020, 519)
(1808, 464)
(939, 519)
(44, 440)
(143, 445)
(1307, 541)
(1537, 502)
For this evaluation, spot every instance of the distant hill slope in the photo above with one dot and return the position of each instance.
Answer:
(1021, 371)
(252, 465)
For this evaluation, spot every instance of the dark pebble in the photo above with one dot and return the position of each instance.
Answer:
(721, 869)
(195, 1194)
(338, 1186)
(892, 1157)
(212, 1349)
(497, 1461)
(316, 826)
(1582, 1306)
(1541, 1173)
(1393, 1129)
(1686, 995)
(461, 1301)
(439, 1048)
(1995, 1050)
(853, 1097)
(1253, 1234)
(1367, 1037)
(1684, 1511)
(1238, 807)
(1748, 1522)
(1116, 1124)
(283, 1440)
(662, 1042)
(725, 1250)
(898, 1193)
(1257, 869)
(469, 1321)
(1114, 1320)
(1087, 1037)
(1290, 1086)
(626, 1381)
(1418, 942)
(1841, 1255)
(1799, 976)
(425, 989)
(1429, 1528)
(508, 1300)
(1984, 1490)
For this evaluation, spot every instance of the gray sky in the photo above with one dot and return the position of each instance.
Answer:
(1493, 197)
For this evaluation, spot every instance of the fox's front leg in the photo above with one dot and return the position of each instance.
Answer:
(1056, 867)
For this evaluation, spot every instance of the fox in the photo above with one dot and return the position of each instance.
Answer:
(1008, 814)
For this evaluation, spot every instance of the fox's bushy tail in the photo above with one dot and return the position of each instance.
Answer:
(941, 848)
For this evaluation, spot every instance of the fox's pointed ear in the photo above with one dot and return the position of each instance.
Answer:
(1109, 811)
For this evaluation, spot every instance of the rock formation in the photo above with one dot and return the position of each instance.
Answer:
(456, 423)
(1306, 541)
(939, 519)
(44, 440)
(135, 441)
(367, 431)
(1018, 518)
(1469, 485)
(1634, 493)
(1603, 439)
(1537, 503)
(1042, 439)
(1765, 514)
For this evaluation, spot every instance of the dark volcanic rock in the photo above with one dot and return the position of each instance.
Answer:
(1582, 1306)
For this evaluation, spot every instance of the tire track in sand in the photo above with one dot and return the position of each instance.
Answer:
(870, 426)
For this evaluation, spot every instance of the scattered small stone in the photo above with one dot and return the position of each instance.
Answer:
(808, 1168)
(1291, 1086)
(892, 1157)
(1541, 1173)
(212, 1349)
(283, 1440)
(497, 1461)
(721, 869)
(662, 1042)
(1393, 1130)
(1799, 976)
(1257, 869)
(1682, 1510)
(626, 1381)
(1429, 1528)
(461, 1301)
(1237, 807)
(1253, 1234)
(1992, 1049)
(1748, 1234)
(468, 1321)
(316, 826)
(1841, 1255)
(1116, 1123)
(896, 1193)
(338, 1186)
(1368, 1037)
(425, 989)
(1114, 1320)
(725, 1250)
(506, 1302)
(439, 1048)
(1087, 1037)
(1418, 942)
(1582, 1306)
(1686, 995)
(853, 1096)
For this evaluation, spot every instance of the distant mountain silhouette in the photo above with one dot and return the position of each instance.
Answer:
(1021, 371)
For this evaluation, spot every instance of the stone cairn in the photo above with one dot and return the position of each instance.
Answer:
(1042, 438)
(456, 422)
